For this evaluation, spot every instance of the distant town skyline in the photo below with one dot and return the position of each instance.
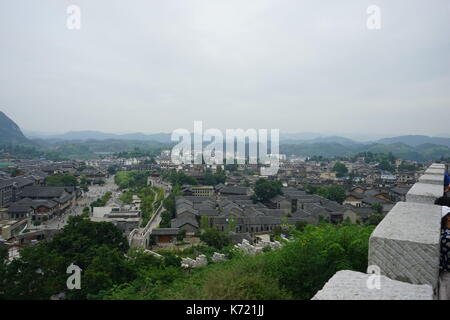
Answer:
(155, 66)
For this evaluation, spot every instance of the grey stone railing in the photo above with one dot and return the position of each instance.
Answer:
(404, 248)
(352, 285)
(138, 237)
(405, 245)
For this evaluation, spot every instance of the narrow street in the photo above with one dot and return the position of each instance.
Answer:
(93, 194)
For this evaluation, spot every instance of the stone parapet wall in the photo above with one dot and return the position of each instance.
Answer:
(352, 285)
(405, 245)
(404, 248)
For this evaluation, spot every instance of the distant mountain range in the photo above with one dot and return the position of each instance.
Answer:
(287, 138)
(326, 139)
(10, 131)
(421, 152)
(416, 140)
(98, 135)
(414, 147)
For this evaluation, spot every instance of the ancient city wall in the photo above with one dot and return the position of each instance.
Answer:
(404, 248)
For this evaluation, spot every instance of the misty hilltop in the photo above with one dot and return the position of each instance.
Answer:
(10, 131)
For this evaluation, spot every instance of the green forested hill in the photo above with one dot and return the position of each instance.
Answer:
(10, 131)
(421, 152)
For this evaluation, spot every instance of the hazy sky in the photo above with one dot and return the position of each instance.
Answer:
(152, 66)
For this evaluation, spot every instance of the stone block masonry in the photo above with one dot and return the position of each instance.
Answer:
(435, 171)
(430, 185)
(405, 245)
(425, 192)
(352, 285)
(432, 179)
(437, 166)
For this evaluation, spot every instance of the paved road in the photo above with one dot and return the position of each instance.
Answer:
(93, 194)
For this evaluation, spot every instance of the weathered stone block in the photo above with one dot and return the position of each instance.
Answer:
(439, 172)
(437, 166)
(352, 285)
(424, 193)
(406, 244)
(432, 179)
(217, 257)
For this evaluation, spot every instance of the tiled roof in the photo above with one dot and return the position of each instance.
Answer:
(164, 231)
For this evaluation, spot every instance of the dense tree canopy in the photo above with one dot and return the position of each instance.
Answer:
(178, 178)
(60, 180)
(131, 179)
(214, 238)
(267, 189)
(213, 179)
(98, 248)
(296, 271)
(111, 271)
(101, 202)
(169, 206)
(332, 192)
(340, 169)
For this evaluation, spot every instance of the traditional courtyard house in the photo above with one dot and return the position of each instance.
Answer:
(162, 236)
(306, 216)
(354, 199)
(218, 187)
(289, 201)
(372, 178)
(328, 175)
(92, 173)
(356, 214)
(4, 175)
(186, 190)
(35, 209)
(186, 211)
(18, 211)
(382, 194)
(69, 167)
(280, 202)
(336, 217)
(358, 190)
(234, 191)
(19, 183)
(63, 196)
(350, 214)
(44, 209)
(185, 223)
(6, 193)
(38, 176)
(406, 177)
(52, 169)
(370, 200)
(398, 193)
(202, 191)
